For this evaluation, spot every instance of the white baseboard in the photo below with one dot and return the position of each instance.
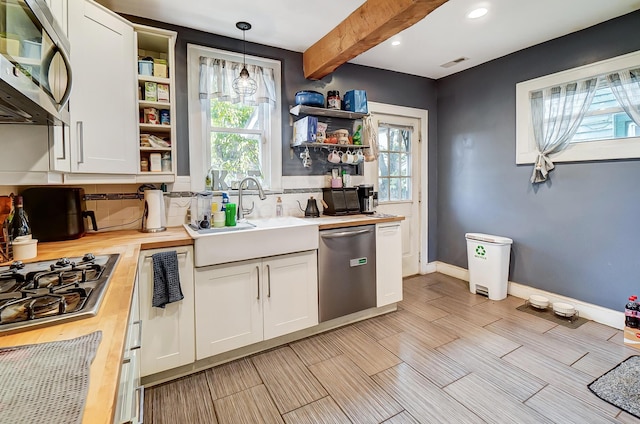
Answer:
(429, 267)
(586, 310)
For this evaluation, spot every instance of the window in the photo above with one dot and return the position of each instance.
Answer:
(605, 131)
(394, 163)
(233, 137)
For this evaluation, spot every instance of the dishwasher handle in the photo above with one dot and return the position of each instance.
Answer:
(347, 233)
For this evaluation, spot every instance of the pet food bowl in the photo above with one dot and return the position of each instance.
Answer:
(564, 309)
(538, 302)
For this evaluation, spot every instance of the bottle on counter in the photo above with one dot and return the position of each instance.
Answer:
(225, 201)
(208, 183)
(631, 313)
(19, 225)
(279, 206)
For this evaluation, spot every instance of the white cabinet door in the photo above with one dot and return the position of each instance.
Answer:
(228, 307)
(103, 98)
(168, 339)
(388, 263)
(290, 285)
(60, 11)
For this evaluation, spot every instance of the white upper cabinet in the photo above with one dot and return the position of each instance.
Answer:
(103, 100)
(60, 11)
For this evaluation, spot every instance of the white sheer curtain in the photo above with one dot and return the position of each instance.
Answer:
(216, 80)
(556, 113)
(625, 85)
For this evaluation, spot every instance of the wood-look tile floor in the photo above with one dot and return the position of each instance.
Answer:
(446, 356)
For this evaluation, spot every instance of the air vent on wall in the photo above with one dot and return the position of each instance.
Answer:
(454, 62)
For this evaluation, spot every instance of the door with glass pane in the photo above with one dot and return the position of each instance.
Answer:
(398, 180)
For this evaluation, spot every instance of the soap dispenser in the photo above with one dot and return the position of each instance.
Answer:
(279, 206)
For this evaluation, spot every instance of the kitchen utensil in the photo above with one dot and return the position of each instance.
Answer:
(348, 157)
(309, 98)
(154, 217)
(311, 211)
(335, 156)
(57, 213)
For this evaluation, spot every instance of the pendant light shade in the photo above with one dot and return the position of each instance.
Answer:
(244, 85)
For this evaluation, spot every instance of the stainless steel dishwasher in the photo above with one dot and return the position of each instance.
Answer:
(346, 271)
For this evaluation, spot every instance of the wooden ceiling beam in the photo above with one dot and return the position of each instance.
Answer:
(369, 25)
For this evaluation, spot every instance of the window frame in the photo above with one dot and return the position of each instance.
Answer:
(408, 154)
(199, 149)
(620, 148)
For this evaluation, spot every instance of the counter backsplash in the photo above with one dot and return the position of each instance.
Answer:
(117, 207)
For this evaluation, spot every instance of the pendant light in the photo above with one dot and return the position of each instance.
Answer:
(244, 85)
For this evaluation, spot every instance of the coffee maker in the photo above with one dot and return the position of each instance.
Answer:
(365, 196)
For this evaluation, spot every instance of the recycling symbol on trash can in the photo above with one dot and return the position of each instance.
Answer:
(480, 251)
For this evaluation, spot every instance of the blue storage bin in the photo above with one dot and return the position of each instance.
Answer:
(355, 101)
(145, 67)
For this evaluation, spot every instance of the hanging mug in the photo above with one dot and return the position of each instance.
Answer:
(335, 156)
(348, 157)
(359, 156)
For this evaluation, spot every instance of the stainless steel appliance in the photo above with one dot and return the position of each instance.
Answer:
(57, 213)
(43, 293)
(365, 197)
(35, 71)
(346, 271)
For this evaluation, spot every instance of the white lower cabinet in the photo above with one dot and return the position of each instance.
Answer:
(242, 303)
(168, 339)
(388, 263)
(130, 398)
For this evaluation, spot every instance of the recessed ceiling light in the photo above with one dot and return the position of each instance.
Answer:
(395, 43)
(477, 13)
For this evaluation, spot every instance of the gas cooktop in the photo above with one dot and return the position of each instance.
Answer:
(43, 293)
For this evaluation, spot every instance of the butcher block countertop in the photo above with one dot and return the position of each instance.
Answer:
(114, 310)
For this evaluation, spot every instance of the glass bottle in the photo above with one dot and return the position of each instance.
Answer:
(279, 206)
(19, 225)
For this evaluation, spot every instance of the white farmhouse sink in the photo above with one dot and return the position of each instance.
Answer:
(261, 238)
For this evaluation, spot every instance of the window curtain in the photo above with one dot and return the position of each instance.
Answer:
(216, 82)
(556, 113)
(625, 85)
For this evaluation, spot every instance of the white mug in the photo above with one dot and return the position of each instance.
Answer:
(335, 156)
(359, 156)
(348, 157)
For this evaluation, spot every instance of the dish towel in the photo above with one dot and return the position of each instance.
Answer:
(46, 382)
(166, 279)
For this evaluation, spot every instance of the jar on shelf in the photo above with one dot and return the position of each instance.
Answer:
(166, 162)
(333, 100)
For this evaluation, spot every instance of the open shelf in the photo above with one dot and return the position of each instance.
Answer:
(319, 111)
(331, 146)
(157, 105)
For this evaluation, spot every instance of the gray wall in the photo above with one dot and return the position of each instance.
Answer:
(578, 235)
(381, 86)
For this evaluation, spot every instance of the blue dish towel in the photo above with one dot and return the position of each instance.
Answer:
(166, 279)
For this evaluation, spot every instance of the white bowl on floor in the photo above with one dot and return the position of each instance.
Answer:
(564, 309)
(538, 302)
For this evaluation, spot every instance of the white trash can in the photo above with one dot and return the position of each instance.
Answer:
(488, 264)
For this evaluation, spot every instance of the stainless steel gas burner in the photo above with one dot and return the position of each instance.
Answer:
(48, 292)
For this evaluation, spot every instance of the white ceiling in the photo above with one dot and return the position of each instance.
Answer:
(444, 35)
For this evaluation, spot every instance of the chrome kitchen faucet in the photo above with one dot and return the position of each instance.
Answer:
(241, 210)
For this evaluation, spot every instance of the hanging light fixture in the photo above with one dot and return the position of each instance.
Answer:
(244, 85)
